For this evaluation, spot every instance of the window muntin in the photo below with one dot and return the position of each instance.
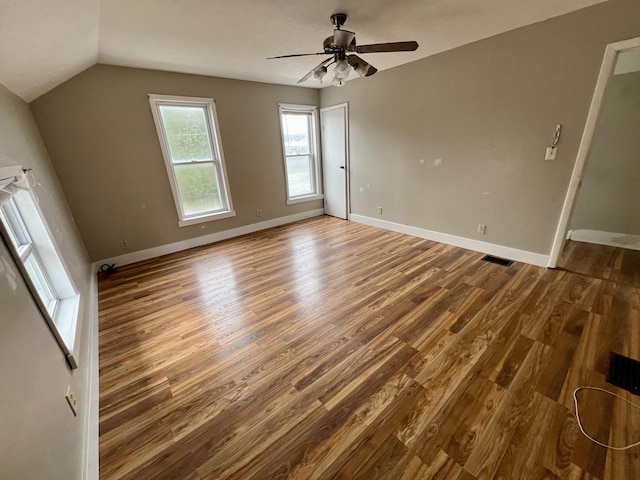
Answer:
(189, 137)
(32, 247)
(300, 149)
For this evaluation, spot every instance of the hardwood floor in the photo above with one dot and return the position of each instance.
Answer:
(333, 350)
(620, 265)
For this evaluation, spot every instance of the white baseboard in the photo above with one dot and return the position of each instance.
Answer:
(462, 242)
(611, 239)
(92, 398)
(142, 255)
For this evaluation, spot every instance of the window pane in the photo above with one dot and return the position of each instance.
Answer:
(186, 130)
(296, 133)
(15, 226)
(39, 280)
(199, 188)
(300, 176)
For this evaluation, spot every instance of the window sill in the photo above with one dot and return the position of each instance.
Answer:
(206, 218)
(308, 198)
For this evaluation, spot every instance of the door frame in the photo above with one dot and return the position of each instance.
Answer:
(347, 148)
(606, 70)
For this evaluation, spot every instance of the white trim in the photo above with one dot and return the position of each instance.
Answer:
(91, 452)
(606, 69)
(206, 218)
(64, 320)
(462, 242)
(218, 161)
(308, 198)
(11, 171)
(298, 107)
(315, 154)
(612, 239)
(142, 255)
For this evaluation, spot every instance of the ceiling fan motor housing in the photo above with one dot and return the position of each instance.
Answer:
(341, 41)
(338, 19)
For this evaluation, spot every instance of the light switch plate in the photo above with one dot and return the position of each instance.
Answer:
(551, 153)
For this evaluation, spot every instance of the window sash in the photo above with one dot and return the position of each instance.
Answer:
(301, 174)
(304, 147)
(19, 236)
(173, 146)
(216, 198)
(41, 282)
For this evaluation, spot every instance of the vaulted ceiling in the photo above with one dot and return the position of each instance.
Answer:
(45, 42)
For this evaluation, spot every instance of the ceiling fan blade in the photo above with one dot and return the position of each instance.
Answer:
(343, 38)
(321, 64)
(387, 47)
(297, 55)
(360, 66)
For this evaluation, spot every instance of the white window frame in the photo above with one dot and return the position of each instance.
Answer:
(213, 131)
(31, 244)
(314, 153)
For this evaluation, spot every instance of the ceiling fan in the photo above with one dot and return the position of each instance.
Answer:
(339, 46)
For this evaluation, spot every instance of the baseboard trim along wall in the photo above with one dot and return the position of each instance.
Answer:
(470, 244)
(612, 239)
(92, 399)
(142, 255)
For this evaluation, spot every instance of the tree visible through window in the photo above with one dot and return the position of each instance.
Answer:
(190, 144)
(298, 123)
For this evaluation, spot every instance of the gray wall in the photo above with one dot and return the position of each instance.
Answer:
(488, 111)
(609, 200)
(40, 438)
(100, 134)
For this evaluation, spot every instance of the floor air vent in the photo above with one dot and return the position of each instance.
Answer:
(498, 260)
(624, 372)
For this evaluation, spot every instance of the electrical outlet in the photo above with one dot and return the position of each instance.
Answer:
(379, 210)
(71, 400)
(482, 228)
(124, 245)
(259, 212)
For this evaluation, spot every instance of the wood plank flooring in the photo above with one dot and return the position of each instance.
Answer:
(620, 265)
(327, 349)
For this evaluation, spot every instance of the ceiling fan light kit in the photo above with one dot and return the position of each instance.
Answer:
(319, 72)
(341, 42)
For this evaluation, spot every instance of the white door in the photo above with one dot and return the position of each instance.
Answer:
(334, 122)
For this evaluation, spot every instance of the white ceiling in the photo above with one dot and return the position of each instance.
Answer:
(45, 42)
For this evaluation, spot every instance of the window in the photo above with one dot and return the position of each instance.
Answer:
(190, 141)
(300, 148)
(31, 244)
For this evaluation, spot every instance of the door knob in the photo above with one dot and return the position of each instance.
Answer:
(342, 167)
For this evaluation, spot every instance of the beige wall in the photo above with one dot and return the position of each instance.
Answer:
(485, 113)
(40, 438)
(100, 134)
(609, 199)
